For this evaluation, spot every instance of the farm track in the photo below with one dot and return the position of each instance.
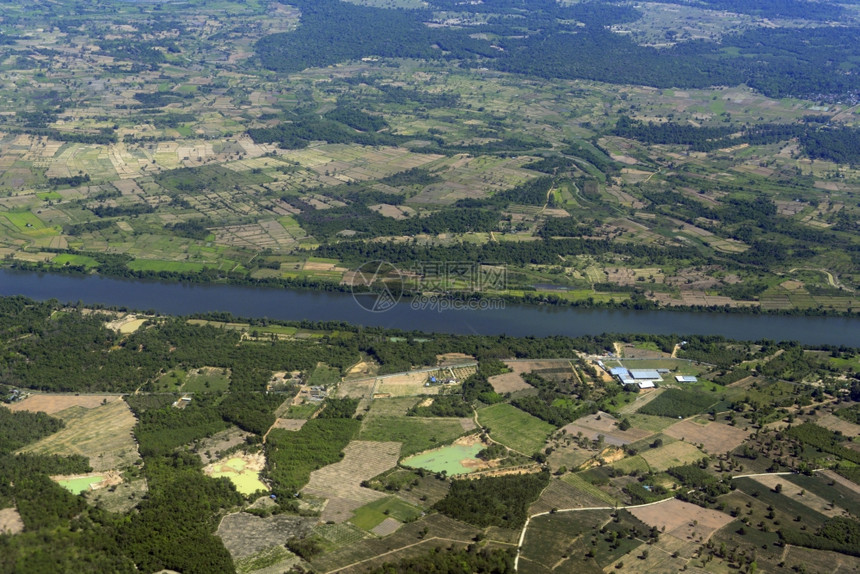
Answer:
(641, 401)
(395, 550)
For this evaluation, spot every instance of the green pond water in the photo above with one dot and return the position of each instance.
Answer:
(446, 458)
(79, 485)
(246, 481)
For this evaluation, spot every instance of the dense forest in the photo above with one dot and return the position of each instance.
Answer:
(542, 44)
(839, 145)
(498, 501)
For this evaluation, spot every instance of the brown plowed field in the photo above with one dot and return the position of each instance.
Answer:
(52, 404)
(341, 482)
(682, 519)
(508, 383)
(716, 438)
(590, 426)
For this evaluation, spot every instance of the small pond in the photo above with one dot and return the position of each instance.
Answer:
(448, 458)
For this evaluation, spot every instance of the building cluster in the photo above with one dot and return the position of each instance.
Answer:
(643, 378)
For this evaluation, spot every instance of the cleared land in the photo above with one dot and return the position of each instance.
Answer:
(102, 433)
(211, 448)
(340, 483)
(828, 562)
(245, 534)
(605, 424)
(835, 424)
(53, 404)
(289, 424)
(714, 438)
(120, 497)
(10, 521)
(682, 519)
(508, 383)
(560, 494)
(407, 384)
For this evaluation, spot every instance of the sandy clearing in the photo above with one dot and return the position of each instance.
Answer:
(10, 521)
(52, 404)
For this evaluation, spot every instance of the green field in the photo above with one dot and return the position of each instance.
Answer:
(514, 428)
(207, 379)
(24, 220)
(416, 434)
(324, 376)
(371, 515)
(75, 260)
(158, 265)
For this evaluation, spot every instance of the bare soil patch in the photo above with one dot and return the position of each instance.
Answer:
(10, 521)
(361, 370)
(211, 448)
(356, 389)
(53, 404)
(520, 367)
(341, 482)
(126, 325)
(289, 424)
(253, 462)
(508, 383)
(682, 519)
(407, 384)
(834, 423)
(449, 359)
(714, 437)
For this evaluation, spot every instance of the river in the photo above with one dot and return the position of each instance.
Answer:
(514, 320)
